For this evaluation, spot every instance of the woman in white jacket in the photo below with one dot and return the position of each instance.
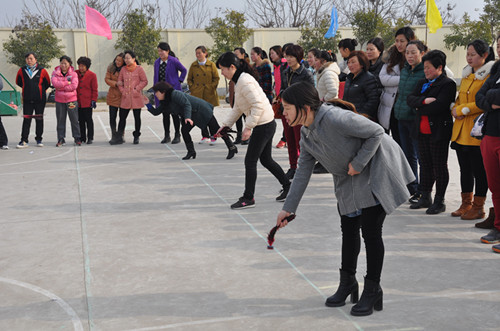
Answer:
(327, 76)
(259, 126)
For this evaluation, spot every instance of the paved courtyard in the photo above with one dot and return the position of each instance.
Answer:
(131, 237)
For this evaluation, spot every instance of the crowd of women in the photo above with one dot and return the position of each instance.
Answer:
(380, 121)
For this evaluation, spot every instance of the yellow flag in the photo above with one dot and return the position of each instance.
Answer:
(433, 17)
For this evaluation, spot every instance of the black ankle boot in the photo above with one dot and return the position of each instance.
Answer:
(425, 201)
(117, 139)
(437, 207)
(371, 298)
(230, 147)
(348, 285)
(177, 138)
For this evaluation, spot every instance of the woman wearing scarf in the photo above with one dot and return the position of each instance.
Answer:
(432, 98)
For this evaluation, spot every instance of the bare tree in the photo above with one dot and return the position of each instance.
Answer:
(286, 13)
(188, 13)
(71, 13)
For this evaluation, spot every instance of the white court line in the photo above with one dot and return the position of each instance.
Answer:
(77, 324)
(103, 127)
(37, 160)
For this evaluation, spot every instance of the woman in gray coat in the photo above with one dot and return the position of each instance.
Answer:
(193, 111)
(370, 174)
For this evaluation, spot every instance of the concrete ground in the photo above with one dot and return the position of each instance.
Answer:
(131, 237)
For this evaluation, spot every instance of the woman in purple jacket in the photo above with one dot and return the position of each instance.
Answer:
(169, 69)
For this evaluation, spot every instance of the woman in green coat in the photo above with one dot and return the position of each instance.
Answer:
(194, 112)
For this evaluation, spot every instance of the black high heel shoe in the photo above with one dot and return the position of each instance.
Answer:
(348, 285)
(371, 298)
(190, 155)
(231, 151)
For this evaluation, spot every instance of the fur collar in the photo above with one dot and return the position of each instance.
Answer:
(481, 74)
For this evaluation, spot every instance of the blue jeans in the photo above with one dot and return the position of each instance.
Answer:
(410, 148)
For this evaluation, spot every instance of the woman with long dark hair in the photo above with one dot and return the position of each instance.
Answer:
(276, 56)
(370, 174)
(259, 126)
(389, 78)
(114, 96)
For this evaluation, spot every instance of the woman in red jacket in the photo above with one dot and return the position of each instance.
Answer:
(131, 81)
(87, 98)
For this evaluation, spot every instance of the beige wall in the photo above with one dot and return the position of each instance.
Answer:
(184, 42)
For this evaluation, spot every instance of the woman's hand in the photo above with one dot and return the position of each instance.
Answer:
(455, 115)
(429, 100)
(280, 221)
(246, 134)
(495, 107)
(119, 83)
(352, 171)
(188, 120)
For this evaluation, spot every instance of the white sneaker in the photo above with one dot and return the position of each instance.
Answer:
(5, 147)
(213, 141)
(39, 143)
(22, 144)
(204, 140)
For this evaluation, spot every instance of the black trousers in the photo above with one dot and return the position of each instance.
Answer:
(123, 121)
(260, 148)
(212, 125)
(433, 160)
(113, 114)
(3, 135)
(86, 123)
(472, 169)
(166, 123)
(370, 222)
(28, 110)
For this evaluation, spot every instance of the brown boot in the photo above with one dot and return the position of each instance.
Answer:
(487, 223)
(465, 206)
(477, 210)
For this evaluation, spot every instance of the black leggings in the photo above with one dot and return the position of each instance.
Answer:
(260, 148)
(166, 123)
(123, 121)
(370, 222)
(113, 113)
(472, 169)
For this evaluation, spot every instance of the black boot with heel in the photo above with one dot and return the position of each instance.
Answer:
(348, 285)
(371, 298)
(191, 152)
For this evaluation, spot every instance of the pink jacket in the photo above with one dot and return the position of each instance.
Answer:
(133, 83)
(65, 85)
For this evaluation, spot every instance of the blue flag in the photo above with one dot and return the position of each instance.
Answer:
(334, 25)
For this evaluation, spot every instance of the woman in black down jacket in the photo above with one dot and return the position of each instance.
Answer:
(361, 87)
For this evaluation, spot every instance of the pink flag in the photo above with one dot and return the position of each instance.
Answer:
(96, 23)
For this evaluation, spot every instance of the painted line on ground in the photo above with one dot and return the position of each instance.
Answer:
(77, 323)
(103, 127)
(37, 160)
(258, 233)
(85, 247)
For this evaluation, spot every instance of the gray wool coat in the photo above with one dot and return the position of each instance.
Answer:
(338, 137)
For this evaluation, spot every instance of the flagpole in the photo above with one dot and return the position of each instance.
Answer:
(86, 45)
(426, 19)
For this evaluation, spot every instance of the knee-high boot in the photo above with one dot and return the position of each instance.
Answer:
(191, 152)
